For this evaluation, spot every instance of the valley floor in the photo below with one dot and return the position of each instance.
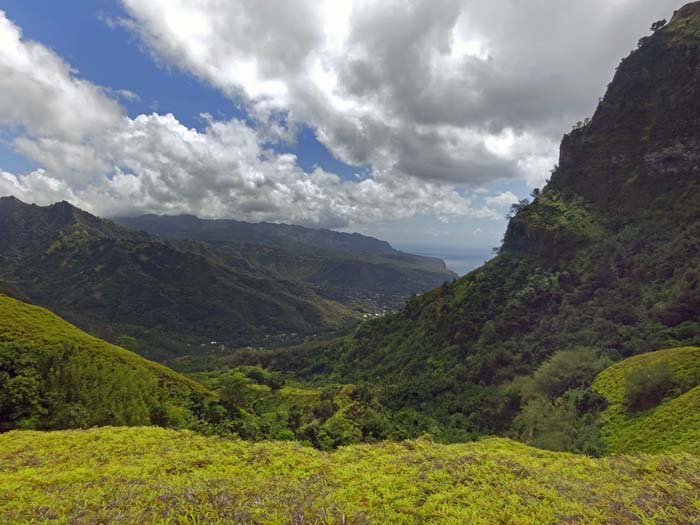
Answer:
(153, 475)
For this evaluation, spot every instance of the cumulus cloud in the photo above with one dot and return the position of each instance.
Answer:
(439, 97)
(502, 200)
(422, 87)
(40, 93)
(96, 156)
(36, 187)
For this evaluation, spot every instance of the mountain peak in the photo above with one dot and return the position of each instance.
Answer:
(641, 149)
(638, 155)
(691, 10)
(11, 201)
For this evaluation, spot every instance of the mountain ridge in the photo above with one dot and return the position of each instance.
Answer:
(231, 230)
(114, 281)
(350, 268)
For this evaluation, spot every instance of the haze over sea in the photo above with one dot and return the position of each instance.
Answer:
(460, 261)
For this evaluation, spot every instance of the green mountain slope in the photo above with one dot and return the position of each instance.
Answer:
(604, 259)
(169, 295)
(52, 375)
(150, 475)
(351, 268)
(654, 402)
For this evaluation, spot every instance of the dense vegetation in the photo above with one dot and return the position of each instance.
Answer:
(602, 264)
(52, 375)
(150, 475)
(166, 296)
(261, 406)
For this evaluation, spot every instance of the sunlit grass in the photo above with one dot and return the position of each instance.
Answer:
(153, 475)
(673, 425)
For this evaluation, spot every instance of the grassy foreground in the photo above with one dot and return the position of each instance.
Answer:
(154, 475)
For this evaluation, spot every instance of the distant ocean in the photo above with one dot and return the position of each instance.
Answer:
(459, 261)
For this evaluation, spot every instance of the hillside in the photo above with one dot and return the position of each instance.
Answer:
(166, 296)
(354, 269)
(602, 262)
(263, 233)
(654, 402)
(150, 475)
(52, 375)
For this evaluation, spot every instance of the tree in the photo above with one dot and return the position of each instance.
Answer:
(235, 391)
(582, 123)
(647, 386)
(659, 24)
(565, 424)
(569, 369)
(517, 207)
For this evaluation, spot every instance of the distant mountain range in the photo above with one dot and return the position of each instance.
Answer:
(356, 270)
(162, 296)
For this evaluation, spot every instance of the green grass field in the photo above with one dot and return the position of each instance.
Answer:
(671, 426)
(154, 475)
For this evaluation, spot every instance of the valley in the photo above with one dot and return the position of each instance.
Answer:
(166, 368)
(163, 296)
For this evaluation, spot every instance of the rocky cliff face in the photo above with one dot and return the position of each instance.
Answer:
(638, 156)
(642, 146)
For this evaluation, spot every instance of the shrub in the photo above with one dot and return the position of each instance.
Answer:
(645, 387)
(565, 424)
(569, 369)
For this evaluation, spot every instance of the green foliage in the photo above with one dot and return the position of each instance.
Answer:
(567, 423)
(150, 475)
(450, 352)
(569, 369)
(645, 387)
(558, 410)
(159, 297)
(259, 405)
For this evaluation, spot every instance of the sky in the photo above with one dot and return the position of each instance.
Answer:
(418, 122)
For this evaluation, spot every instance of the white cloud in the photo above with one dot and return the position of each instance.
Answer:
(502, 200)
(36, 187)
(438, 97)
(40, 93)
(112, 164)
(443, 90)
(127, 95)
